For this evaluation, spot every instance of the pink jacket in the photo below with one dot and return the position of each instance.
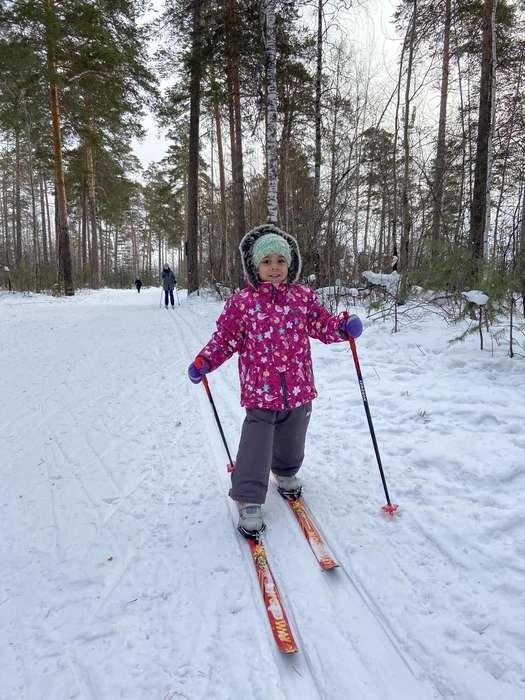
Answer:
(270, 328)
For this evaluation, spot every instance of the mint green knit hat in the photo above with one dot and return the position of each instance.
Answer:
(270, 243)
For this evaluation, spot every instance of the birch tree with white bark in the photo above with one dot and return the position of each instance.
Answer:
(268, 19)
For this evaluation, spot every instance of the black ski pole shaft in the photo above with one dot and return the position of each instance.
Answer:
(208, 392)
(389, 508)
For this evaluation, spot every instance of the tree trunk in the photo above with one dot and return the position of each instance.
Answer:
(79, 248)
(282, 185)
(490, 145)
(105, 237)
(355, 224)
(43, 220)
(193, 162)
(234, 104)
(382, 227)
(522, 246)
(34, 219)
(199, 253)
(271, 112)
(101, 252)
(464, 141)
(83, 230)
(437, 189)
(51, 247)
(316, 214)
(36, 252)
(161, 253)
(222, 184)
(115, 251)
(134, 247)
(367, 215)
(64, 252)
(395, 253)
(18, 203)
(92, 214)
(150, 251)
(478, 207)
(360, 122)
(5, 211)
(330, 223)
(407, 221)
(507, 150)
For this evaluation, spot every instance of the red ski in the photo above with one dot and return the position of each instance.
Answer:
(311, 532)
(281, 630)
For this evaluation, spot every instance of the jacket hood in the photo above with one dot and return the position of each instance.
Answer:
(246, 247)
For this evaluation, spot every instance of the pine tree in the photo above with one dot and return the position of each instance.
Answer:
(479, 204)
(196, 68)
(271, 111)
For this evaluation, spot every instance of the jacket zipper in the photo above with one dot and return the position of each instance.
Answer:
(283, 388)
(281, 374)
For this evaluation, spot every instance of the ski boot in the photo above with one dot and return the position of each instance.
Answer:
(250, 523)
(289, 486)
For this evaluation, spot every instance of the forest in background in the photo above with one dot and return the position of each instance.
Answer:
(273, 111)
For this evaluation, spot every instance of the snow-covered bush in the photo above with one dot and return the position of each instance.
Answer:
(390, 281)
(334, 295)
(223, 291)
(384, 292)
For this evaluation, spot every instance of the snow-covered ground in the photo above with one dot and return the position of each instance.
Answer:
(122, 575)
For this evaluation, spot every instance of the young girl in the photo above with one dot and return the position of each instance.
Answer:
(269, 324)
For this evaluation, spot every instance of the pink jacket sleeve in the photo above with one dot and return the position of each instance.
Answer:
(321, 324)
(228, 338)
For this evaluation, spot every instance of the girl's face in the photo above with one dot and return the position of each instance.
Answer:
(273, 268)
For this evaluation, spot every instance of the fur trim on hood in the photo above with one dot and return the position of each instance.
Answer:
(246, 246)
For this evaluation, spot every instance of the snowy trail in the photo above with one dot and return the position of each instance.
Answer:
(295, 674)
(123, 576)
(113, 594)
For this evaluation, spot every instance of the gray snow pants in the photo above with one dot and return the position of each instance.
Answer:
(269, 440)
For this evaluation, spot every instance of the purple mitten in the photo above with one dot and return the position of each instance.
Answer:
(198, 368)
(351, 326)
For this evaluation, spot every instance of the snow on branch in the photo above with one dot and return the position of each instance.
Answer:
(476, 297)
(389, 281)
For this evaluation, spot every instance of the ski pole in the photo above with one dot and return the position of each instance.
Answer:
(160, 301)
(389, 508)
(198, 365)
(177, 293)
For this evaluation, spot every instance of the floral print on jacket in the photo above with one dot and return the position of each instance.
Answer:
(270, 327)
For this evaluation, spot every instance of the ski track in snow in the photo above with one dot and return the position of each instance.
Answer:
(288, 668)
(123, 576)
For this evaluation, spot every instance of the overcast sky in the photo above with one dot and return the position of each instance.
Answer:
(369, 29)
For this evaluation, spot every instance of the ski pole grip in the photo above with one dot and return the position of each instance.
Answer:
(198, 362)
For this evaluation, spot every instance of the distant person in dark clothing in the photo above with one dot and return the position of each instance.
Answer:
(138, 284)
(168, 284)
